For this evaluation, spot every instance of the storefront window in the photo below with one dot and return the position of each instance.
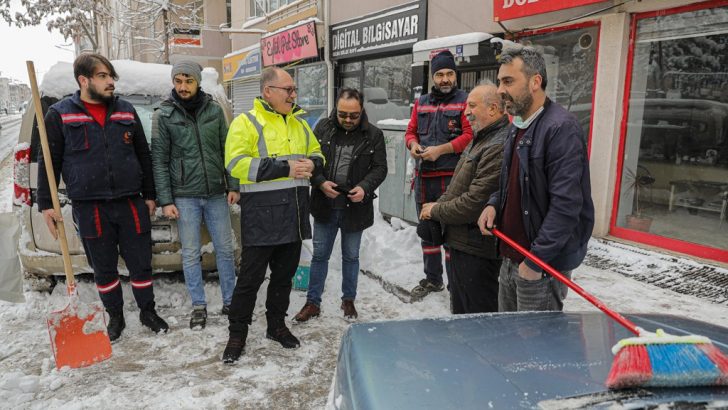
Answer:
(674, 179)
(570, 63)
(311, 82)
(387, 85)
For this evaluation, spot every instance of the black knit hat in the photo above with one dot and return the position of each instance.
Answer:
(443, 59)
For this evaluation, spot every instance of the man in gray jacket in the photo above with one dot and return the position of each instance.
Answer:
(188, 140)
(473, 263)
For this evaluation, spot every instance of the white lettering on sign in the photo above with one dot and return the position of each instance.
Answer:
(510, 3)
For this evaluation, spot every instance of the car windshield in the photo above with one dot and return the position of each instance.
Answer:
(145, 109)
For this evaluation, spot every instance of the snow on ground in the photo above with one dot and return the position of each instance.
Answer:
(182, 369)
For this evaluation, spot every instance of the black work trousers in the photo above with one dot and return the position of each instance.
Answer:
(473, 283)
(283, 261)
(109, 228)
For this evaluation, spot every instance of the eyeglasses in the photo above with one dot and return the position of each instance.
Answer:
(289, 90)
(352, 115)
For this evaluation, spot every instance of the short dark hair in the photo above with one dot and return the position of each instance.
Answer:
(86, 63)
(533, 61)
(347, 93)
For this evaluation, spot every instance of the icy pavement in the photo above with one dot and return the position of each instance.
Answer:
(182, 369)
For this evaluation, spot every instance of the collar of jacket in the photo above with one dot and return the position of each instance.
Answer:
(76, 98)
(170, 104)
(363, 125)
(262, 106)
(528, 135)
(440, 96)
(491, 129)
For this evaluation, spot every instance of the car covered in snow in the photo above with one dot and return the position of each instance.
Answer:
(145, 85)
(542, 360)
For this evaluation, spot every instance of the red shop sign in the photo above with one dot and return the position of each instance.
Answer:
(513, 9)
(290, 45)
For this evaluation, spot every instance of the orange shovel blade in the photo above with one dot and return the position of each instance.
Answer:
(78, 335)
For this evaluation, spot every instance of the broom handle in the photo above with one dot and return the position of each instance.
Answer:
(629, 325)
(70, 280)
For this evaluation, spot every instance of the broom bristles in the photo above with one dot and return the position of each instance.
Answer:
(667, 361)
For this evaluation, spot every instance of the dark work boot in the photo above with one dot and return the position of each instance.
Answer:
(199, 317)
(280, 333)
(116, 324)
(234, 348)
(150, 319)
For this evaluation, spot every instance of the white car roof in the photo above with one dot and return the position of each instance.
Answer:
(135, 78)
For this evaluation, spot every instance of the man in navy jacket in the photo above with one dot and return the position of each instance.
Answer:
(97, 145)
(544, 201)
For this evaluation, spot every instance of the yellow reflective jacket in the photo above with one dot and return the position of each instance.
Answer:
(274, 207)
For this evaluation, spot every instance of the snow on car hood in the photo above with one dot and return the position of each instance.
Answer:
(135, 78)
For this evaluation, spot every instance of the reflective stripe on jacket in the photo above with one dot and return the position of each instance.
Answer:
(274, 207)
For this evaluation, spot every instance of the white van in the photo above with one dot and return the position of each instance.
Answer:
(145, 86)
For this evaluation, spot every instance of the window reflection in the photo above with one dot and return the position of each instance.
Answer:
(677, 129)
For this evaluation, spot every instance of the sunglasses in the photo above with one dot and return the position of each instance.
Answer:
(352, 115)
(289, 90)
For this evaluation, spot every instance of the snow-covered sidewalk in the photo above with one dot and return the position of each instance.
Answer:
(182, 369)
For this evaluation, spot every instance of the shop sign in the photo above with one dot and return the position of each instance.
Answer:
(245, 64)
(392, 29)
(290, 45)
(513, 9)
(186, 37)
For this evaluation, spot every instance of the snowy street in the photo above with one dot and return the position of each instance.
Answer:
(182, 369)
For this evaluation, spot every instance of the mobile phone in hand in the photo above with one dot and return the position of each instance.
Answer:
(341, 190)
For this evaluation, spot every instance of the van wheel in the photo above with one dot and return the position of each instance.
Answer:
(40, 283)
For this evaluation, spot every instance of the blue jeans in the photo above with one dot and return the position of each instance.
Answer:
(324, 235)
(216, 214)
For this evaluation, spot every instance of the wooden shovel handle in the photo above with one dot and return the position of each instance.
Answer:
(70, 280)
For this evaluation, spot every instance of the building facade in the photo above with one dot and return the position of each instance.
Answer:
(647, 80)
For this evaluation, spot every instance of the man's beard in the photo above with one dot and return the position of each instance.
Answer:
(474, 124)
(518, 106)
(446, 89)
(96, 96)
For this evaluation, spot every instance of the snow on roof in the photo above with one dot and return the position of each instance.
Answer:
(135, 78)
(449, 41)
(290, 26)
(253, 22)
(242, 50)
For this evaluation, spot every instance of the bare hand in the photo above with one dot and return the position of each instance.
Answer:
(356, 194)
(487, 219)
(233, 197)
(51, 217)
(170, 211)
(432, 153)
(300, 168)
(426, 212)
(415, 150)
(527, 273)
(327, 187)
(152, 205)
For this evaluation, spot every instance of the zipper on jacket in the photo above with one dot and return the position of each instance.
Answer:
(199, 142)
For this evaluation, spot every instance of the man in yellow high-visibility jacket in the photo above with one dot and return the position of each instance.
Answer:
(273, 154)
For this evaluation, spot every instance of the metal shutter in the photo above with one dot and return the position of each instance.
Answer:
(244, 92)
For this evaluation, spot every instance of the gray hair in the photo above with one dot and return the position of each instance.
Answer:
(533, 62)
(268, 76)
(492, 97)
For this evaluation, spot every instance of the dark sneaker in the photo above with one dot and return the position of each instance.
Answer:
(233, 350)
(150, 319)
(425, 288)
(225, 310)
(116, 324)
(283, 336)
(199, 317)
(308, 311)
(349, 310)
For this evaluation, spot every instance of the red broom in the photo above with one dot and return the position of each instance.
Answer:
(650, 359)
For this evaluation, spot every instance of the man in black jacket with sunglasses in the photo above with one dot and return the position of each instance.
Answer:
(342, 196)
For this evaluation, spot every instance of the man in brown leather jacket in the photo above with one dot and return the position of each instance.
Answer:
(473, 265)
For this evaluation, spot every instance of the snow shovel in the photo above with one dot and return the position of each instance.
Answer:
(78, 331)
